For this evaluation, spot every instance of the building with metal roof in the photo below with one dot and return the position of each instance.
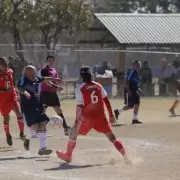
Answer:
(143, 28)
(129, 29)
(134, 31)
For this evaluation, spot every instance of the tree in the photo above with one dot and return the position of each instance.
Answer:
(140, 6)
(52, 17)
(49, 18)
(12, 20)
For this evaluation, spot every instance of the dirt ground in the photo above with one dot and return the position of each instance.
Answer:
(153, 147)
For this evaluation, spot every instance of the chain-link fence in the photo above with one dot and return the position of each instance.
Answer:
(159, 66)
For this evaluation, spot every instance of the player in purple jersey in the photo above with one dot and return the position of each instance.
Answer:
(49, 96)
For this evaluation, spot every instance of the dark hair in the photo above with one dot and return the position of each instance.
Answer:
(49, 56)
(86, 74)
(136, 61)
(3, 61)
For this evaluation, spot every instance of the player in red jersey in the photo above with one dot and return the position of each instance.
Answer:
(90, 100)
(9, 100)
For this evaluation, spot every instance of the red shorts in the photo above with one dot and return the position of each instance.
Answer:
(8, 102)
(100, 124)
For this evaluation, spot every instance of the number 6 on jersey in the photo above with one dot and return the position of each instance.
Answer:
(94, 98)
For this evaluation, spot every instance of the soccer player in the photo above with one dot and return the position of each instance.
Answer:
(32, 108)
(132, 93)
(176, 102)
(49, 94)
(90, 99)
(9, 100)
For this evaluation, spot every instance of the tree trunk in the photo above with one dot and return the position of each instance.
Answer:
(18, 44)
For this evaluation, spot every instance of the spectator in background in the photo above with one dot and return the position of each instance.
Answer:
(102, 69)
(167, 76)
(104, 76)
(146, 78)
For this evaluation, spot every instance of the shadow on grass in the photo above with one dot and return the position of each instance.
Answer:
(119, 125)
(20, 158)
(173, 116)
(66, 166)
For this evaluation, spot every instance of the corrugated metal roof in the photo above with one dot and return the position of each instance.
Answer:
(143, 28)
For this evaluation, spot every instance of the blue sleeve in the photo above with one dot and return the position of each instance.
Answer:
(21, 82)
(130, 74)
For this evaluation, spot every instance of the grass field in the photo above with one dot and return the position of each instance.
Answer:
(153, 147)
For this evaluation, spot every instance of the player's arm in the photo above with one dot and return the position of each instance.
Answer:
(128, 79)
(107, 102)
(108, 106)
(21, 87)
(47, 79)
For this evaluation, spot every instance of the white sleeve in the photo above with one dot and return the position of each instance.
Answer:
(79, 96)
(103, 92)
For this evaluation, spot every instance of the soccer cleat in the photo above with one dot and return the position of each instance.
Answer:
(135, 121)
(172, 112)
(9, 140)
(67, 131)
(64, 156)
(44, 151)
(116, 113)
(26, 144)
(22, 136)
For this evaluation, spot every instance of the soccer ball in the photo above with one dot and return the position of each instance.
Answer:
(56, 121)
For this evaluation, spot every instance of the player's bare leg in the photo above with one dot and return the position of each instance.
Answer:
(135, 115)
(6, 129)
(70, 146)
(20, 122)
(119, 146)
(117, 112)
(174, 106)
(43, 137)
(59, 112)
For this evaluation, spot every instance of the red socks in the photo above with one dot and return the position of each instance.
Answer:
(120, 147)
(70, 147)
(6, 129)
(21, 124)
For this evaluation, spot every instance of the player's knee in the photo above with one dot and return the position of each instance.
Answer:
(6, 119)
(42, 126)
(131, 106)
(18, 112)
(34, 127)
(111, 136)
(178, 98)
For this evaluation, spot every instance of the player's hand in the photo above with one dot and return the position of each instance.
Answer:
(140, 92)
(28, 96)
(112, 120)
(59, 80)
(59, 89)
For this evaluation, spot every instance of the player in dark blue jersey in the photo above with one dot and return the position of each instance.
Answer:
(32, 108)
(132, 92)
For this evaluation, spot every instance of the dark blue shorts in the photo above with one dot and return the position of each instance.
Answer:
(131, 101)
(32, 119)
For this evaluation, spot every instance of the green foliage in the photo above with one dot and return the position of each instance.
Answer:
(141, 6)
(52, 17)
(47, 17)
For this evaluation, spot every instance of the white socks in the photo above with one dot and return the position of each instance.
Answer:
(121, 110)
(30, 133)
(42, 137)
(134, 116)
